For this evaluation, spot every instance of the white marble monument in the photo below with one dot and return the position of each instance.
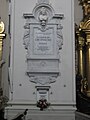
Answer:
(43, 40)
(42, 66)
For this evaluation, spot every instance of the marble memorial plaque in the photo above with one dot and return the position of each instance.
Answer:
(43, 42)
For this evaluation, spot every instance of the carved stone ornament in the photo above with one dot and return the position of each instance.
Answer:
(43, 80)
(43, 39)
(43, 13)
(43, 1)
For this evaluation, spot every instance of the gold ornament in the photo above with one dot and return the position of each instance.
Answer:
(1, 27)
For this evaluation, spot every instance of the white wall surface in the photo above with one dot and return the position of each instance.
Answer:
(63, 90)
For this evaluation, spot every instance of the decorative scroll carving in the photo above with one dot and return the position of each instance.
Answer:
(26, 38)
(59, 36)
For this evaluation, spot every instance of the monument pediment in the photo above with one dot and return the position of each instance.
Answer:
(43, 12)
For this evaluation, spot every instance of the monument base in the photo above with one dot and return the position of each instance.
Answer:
(54, 112)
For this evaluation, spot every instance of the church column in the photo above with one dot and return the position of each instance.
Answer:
(80, 55)
(88, 59)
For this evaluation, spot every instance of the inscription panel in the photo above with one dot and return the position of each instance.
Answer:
(43, 42)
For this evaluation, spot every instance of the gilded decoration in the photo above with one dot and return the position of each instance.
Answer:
(83, 47)
(1, 27)
(2, 36)
(86, 6)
